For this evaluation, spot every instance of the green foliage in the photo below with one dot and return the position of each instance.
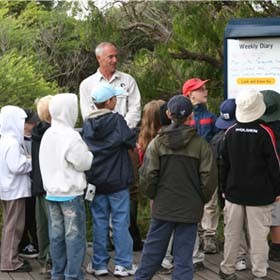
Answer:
(144, 216)
(187, 40)
(14, 35)
(160, 45)
(20, 83)
(13, 8)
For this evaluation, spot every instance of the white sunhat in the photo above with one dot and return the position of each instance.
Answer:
(249, 106)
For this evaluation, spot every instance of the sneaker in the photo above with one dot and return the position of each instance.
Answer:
(167, 264)
(29, 252)
(198, 266)
(123, 272)
(241, 265)
(210, 246)
(46, 268)
(227, 276)
(25, 267)
(97, 272)
(274, 255)
(164, 271)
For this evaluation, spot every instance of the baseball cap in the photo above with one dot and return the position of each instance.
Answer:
(227, 114)
(104, 92)
(179, 106)
(192, 84)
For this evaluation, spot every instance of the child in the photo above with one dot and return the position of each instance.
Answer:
(154, 116)
(202, 119)
(272, 118)
(37, 188)
(150, 125)
(204, 122)
(63, 158)
(28, 247)
(15, 167)
(224, 121)
(109, 138)
(250, 181)
(177, 171)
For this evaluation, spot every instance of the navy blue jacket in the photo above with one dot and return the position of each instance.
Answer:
(109, 138)
(204, 122)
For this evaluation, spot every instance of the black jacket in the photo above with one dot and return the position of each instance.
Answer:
(109, 139)
(250, 174)
(37, 134)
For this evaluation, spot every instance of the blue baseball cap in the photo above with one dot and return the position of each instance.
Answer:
(227, 114)
(104, 92)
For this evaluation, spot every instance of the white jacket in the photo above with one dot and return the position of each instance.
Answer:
(63, 155)
(14, 165)
(128, 105)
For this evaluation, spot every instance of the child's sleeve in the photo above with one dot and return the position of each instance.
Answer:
(128, 135)
(17, 161)
(208, 172)
(79, 155)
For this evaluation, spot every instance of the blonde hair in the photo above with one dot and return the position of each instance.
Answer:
(150, 123)
(43, 108)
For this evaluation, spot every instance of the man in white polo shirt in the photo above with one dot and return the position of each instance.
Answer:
(129, 104)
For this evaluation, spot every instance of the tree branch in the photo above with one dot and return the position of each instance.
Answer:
(185, 54)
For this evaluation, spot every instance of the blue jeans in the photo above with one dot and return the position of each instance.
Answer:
(116, 205)
(156, 245)
(67, 233)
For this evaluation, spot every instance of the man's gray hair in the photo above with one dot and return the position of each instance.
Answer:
(99, 47)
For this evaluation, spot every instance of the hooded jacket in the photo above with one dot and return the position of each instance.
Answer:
(37, 134)
(250, 171)
(179, 174)
(63, 155)
(14, 164)
(109, 138)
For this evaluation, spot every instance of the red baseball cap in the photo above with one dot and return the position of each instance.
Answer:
(192, 84)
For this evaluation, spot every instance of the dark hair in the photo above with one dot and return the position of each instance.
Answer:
(164, 120)
(100, 105)
(32, 117)
(177, 120)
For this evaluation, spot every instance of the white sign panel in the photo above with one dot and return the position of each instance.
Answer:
(253, 64)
